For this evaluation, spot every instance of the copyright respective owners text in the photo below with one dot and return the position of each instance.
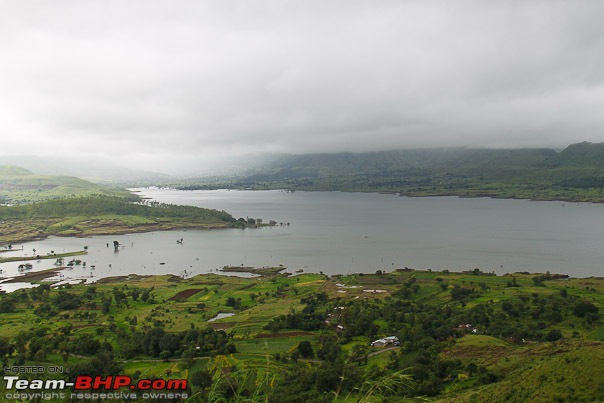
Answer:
(53, 383)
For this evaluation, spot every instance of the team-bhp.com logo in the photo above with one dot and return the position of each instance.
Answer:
(95, 387)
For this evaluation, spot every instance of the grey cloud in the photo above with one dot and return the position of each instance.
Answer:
(186, 81)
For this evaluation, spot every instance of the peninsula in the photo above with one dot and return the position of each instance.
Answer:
(36, 206)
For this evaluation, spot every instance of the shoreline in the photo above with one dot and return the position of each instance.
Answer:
(261, 271)
(276, 272)
(36, 276)
(118, 230)
(410, 194)
(44, 257)
(413, 194)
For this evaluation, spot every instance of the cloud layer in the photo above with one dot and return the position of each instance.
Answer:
(171, 84)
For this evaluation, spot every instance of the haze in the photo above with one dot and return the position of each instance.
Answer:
(178, 87)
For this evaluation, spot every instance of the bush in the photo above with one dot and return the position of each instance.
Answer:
(554, 335)
(583, 308)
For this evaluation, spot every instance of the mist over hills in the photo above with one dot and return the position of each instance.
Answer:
(21, 186)
(435, 170)
(582, 157)
(94, 170)
(459, 160)
(574, 173)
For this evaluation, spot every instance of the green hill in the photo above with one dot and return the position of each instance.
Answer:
(580, 155)
(36, 206)
(104, 215)
(570, 371)
(574, 174)
(20, 186)
(456, 159)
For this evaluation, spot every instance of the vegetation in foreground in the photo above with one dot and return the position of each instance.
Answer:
(463, 337)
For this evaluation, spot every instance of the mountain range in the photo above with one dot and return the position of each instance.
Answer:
(574, 173)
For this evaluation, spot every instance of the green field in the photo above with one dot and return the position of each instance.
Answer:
(464, 336)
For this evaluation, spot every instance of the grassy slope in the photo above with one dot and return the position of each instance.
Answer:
(569, 369)
(19, 186)
(38, 206)
(95, 215)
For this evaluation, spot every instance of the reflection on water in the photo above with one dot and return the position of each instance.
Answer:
(221, 316)
(10, 287)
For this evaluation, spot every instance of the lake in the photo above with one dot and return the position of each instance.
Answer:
(335, 232)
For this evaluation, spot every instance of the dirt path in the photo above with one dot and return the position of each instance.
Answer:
(382, 351)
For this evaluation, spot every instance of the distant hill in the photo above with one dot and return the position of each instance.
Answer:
(428, 161)
(575, 173)
(96, 171)
(580, 155)
(18, 186)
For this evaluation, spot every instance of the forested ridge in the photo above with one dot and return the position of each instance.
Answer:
(575, 173)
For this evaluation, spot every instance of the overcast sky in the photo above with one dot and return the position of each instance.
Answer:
(168, 84)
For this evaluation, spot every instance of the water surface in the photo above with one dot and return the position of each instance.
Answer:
(336, 232)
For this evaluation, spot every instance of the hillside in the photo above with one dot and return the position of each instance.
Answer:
(462, 337)
(20, 186)
(36, 206)
(575, 173)
(430, 161)
(87, 168)
(105, 215)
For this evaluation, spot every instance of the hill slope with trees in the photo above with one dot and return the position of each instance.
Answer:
(105, 215)
(455, 337)
(35, 206)
(575, 173)
(20, 186)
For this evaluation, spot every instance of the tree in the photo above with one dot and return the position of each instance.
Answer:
(119, 296)
(554, 335)
(460, 294)
(86, 344)
(201, 379)
(6, 349)
(169, 342)
(583, 308)
(151, 340)
(146, 294)
(330, 349)
(164, 355)
(358, 354)
(233, 302)
(305, 349)
(7, 306)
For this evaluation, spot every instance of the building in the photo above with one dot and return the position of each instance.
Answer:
(386, 341)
